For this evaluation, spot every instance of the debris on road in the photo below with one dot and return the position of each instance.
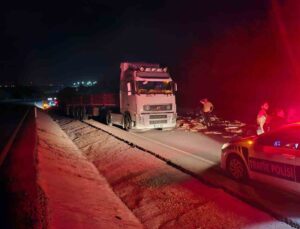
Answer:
(228, 129)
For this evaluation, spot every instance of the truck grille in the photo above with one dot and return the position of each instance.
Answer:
(158, 122)
(157, 116)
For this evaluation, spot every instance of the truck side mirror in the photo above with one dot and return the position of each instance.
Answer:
(129, 88)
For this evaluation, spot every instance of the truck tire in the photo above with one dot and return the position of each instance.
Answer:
(102, 116)
(83, 114)
(126, 122)
(108, 120)
(72, 112)
(76, 113)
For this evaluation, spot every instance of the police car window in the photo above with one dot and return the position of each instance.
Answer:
(269, 139)
(288, 137)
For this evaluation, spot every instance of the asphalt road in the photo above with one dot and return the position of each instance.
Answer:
(198, 144)
(208, 147)
(17, 170)
(10, 116)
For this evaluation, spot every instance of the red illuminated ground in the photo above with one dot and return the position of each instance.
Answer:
(159, 195)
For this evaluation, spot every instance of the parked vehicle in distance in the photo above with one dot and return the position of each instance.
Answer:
(273, 158)
(146, 99)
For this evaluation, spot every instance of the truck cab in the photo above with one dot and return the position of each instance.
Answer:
(147, 97)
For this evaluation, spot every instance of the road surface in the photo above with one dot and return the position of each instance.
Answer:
(10, 117)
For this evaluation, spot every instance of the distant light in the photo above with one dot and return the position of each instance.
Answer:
(82, 82)
(78, 83)
(74, 84)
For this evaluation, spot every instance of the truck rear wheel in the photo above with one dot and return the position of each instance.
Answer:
(80, 114)
(84, 114)
(75, 114)
(108, 120)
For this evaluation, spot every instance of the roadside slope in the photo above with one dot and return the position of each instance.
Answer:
(77, 196)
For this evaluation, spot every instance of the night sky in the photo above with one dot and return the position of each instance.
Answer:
(59, 42)
(213, 48)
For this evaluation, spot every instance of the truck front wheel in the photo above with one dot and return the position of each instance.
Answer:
(126, 122)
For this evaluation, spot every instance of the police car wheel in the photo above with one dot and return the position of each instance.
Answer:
(236, 168)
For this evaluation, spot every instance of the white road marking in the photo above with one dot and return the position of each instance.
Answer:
(178, 150)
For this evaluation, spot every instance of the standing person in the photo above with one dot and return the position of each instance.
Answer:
(262, 118)
(207, 108)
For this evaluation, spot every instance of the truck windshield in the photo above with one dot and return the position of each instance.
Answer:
(154, 87)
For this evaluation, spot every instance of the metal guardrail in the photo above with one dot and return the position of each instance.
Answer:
(9, 143)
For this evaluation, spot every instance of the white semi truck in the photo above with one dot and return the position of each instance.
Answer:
(146, 100)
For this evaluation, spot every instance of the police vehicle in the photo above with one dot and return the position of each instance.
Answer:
(273, 157)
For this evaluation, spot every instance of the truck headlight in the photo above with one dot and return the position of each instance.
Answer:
(169, 107)
(146, 107)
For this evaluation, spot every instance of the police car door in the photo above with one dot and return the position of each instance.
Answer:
(273, 158)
